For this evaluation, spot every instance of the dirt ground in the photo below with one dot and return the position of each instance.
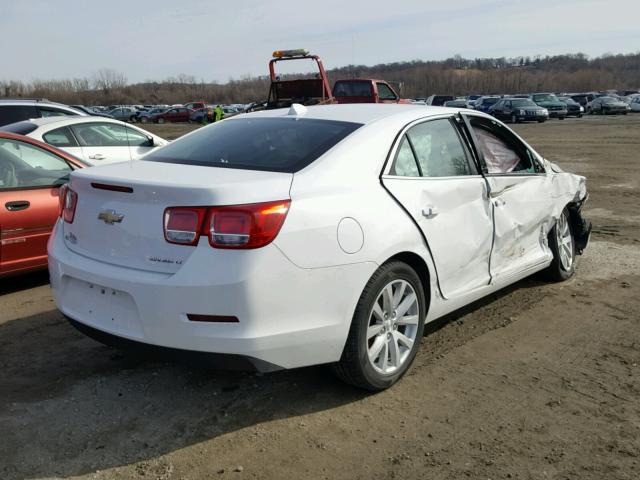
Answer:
(541, 381)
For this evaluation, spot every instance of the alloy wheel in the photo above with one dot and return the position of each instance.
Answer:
(393, 326)
(564, 242)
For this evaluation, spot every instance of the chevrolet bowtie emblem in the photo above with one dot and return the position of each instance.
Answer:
(110, 217)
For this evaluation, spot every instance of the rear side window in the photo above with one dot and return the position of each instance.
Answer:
(432, 149)
(438, 149)
(16, 113)
(54, 112)
(60, 137)
(268, 144)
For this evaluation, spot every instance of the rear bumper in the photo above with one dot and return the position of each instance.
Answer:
(287, 316)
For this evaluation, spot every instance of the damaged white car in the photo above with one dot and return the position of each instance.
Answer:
(320, 235)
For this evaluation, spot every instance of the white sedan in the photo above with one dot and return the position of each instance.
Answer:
(96, 140)
(635, 104)
(320, 235)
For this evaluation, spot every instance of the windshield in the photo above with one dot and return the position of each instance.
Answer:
(608, 100)
(523, 103)
(545, 97)
(269, 144)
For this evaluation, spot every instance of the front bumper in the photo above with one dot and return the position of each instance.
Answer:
(557, 113)
(287, 316)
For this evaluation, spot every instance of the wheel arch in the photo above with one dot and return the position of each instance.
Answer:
(419, 265)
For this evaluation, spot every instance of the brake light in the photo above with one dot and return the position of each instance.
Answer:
(251, 225)
(182, 225)
(68, 200)
(246, 226)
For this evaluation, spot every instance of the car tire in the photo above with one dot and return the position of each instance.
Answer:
(541, 121)
(374, 329)
(161, 120)
(561, 118)
(514, 118)
(562, 245)
(144, 120)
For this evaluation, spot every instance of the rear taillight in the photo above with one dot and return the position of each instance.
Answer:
(246, 226)
(236, 226)
(68, 200)
(183, 225)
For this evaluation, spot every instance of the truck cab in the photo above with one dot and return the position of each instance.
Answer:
(360, 90)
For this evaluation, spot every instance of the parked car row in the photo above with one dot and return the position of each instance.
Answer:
(558, 106)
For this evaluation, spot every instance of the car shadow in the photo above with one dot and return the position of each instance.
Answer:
(71, 406)
(24, 281)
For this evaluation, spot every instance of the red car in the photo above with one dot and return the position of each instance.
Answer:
(177, 114)
(31, 173)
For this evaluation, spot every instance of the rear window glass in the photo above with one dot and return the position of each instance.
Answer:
(352, 89)
(269, 144)
(21, 128)
(16, 113)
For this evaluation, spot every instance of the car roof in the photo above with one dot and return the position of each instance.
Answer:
(70, 119)
(363, 113)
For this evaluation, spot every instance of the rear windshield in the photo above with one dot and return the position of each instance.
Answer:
(268, 144)
(21, 128)
(352, 89)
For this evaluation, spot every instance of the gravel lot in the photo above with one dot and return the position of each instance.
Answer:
(540, 381)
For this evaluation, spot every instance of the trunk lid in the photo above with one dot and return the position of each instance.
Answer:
(130, 231)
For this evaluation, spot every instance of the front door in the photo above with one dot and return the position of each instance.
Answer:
(29, 182)
(435, 179)
(520, 193)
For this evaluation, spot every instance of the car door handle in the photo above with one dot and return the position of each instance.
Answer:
(17, 205)
(499, 202)
(97, 156)
(430, 211)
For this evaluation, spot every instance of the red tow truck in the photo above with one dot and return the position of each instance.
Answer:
(313, 89)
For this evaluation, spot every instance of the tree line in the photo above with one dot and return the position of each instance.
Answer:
(415, 79)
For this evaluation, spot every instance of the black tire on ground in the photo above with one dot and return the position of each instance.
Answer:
(556, 272)
(561, 118)
(579, 115)
(354, 366)
(541, 121)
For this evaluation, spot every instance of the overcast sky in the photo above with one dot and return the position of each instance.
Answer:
(214, 40)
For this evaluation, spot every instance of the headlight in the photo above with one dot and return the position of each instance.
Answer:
(545, 111)
(581, 109)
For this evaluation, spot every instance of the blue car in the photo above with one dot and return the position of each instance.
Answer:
(483, 104)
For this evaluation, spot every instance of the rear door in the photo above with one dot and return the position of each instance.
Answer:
(102, 142)
(520, 193)
(436, 180)
(29, 182)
